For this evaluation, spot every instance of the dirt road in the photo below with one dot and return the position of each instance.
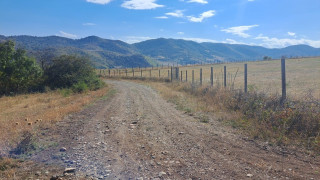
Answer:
(138, 135)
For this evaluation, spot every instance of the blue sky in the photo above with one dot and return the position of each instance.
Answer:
(269, 23)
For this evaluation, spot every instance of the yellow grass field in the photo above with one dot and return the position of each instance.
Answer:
(31, 112)
(302, 75)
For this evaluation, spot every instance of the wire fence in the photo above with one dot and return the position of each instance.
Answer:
(298, 77)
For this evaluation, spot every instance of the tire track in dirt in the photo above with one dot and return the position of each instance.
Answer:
(136, 134)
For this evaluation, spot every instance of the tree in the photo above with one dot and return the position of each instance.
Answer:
(18, 73)
(67, 71)
(266, 58)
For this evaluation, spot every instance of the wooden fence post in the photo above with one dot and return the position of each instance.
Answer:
(192, 76)
(171, 74)
(225, 76)
(181, 76)
(168, 74)
(211, 77)
(283, 78)
(245, 78)
(186, 75)
(200, 76)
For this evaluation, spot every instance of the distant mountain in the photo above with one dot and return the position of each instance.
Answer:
(183, 51)
(114, 53)
(104, 53)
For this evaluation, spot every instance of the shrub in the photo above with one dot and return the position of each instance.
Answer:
(18, 73)
(72, 72)
(80, 87)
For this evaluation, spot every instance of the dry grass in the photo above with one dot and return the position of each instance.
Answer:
(31, 112)
(263, 76)
(258, 115)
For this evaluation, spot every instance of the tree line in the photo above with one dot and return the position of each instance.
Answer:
(22, 74)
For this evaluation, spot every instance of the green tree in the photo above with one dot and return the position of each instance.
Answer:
(18, 73)
(71, 71)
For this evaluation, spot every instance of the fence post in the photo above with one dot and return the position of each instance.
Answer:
(168, 74)
(181, 76)
(283, 78)
(109, 72)
(211, 77)
(225, 76)
(192, 76)
(171, 74)
(245, 78)
(200, 76)
(186, 75)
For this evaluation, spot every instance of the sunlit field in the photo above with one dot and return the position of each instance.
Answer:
(302, 75)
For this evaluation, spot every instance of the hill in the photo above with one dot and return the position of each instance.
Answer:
(183, 51)
(114, 53)
(104, 53)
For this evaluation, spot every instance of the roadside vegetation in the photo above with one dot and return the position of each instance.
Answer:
(34, 97)
(21, 74)
(259, 115)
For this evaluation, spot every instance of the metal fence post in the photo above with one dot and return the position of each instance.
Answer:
(200, 76)
(211, 76)
(245, 78)
(225, 76)
(283, 78)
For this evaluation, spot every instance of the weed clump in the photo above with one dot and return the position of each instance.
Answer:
(264, 116)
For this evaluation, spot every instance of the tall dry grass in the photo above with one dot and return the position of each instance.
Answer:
(33, 112)
(258, 114)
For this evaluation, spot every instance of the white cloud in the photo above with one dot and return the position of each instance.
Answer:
(176, 13)
(135, 39)
(198, 1)
(180, 33)
(239, 30)
(67, 35)
(99, 1)
(141, 4)
(202, 16)
(88, 24)
(161, 17)
(291, 34)
(232, 41)
(280, 43)
(201, 40)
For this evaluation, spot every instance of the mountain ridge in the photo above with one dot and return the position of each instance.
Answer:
(106, 53)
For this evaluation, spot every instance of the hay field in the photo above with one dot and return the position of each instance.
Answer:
(303, 75)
